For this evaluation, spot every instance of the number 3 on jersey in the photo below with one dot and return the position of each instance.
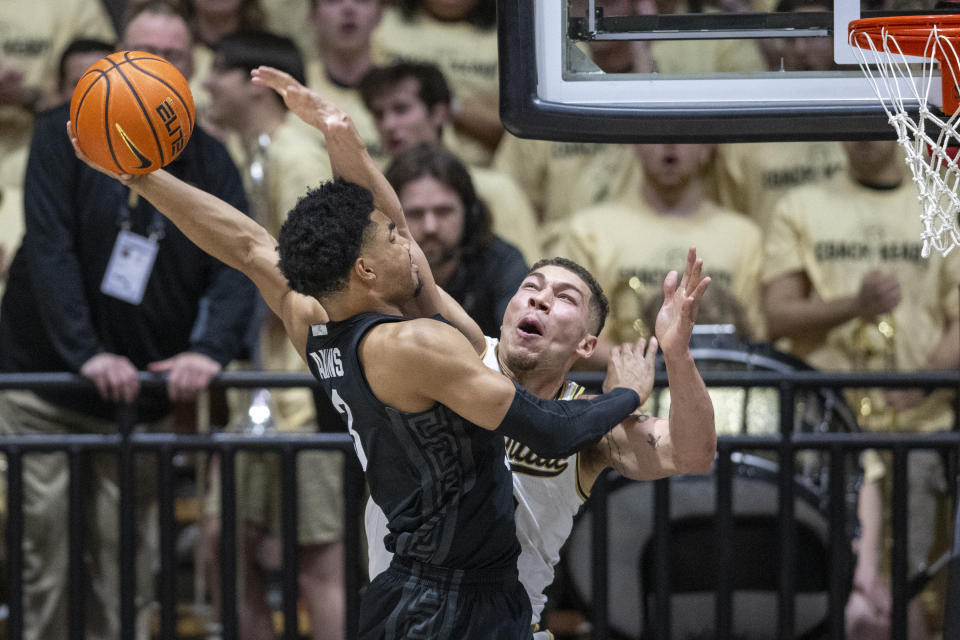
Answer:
(344, 409)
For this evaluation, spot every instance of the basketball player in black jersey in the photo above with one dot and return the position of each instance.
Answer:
(428, 418)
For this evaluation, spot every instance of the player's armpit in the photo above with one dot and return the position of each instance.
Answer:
(298, 312)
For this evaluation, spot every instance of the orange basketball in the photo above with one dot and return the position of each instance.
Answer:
(132, 112)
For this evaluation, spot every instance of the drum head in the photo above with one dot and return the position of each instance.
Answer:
(694, 549)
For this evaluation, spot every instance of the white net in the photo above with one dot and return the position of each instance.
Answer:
(930, 141)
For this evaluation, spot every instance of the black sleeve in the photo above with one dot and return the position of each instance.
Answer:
(230, 294)
(50, 243)
(557, 429)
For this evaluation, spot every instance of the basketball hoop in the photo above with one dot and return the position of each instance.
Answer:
(931, 139)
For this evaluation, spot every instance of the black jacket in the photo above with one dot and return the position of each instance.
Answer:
(53, 315)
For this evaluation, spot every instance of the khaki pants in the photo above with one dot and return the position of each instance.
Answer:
(926, 489)
(46, 482)
(259, 499)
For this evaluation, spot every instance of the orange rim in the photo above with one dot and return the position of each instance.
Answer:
(894, 24)
(912, 36)
(911, 33)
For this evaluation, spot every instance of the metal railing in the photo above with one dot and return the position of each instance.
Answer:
(786, 445)
(125, 444)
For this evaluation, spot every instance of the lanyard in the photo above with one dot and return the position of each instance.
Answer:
(157, 229)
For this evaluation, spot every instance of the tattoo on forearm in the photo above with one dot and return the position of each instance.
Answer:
(653, 441)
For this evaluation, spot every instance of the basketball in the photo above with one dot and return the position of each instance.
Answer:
(132, 112)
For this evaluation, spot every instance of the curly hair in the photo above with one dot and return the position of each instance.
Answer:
(323, 235)
(599, 306)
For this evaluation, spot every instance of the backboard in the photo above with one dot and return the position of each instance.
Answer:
(717, 74)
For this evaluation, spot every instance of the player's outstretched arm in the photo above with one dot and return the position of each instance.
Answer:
(348, 153)
(646, 448)
(228, 235)
(349, 159)
(692, 430)
(440, 366)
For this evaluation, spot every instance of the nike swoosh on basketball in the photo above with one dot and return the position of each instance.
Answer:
(145, 162)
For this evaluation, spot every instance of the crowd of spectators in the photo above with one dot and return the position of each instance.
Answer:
(817, 243)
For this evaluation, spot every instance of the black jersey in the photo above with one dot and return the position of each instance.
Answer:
(442, 481)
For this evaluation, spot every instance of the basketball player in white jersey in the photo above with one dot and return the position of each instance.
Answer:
(549, 493)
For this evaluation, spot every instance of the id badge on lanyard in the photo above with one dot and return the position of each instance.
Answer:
(132, 258)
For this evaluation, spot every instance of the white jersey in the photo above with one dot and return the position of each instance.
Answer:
(547, 493)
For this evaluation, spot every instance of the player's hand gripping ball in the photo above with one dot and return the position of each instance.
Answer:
(132, 112)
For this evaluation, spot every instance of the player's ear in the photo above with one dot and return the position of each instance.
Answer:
(363, 269)
(587, 345)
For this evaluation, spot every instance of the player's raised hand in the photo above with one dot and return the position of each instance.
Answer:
(639, 358)
(674, 324)
(631, 365)
(306, 104)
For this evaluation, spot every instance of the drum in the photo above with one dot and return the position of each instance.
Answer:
(755, 506)
(693, 555)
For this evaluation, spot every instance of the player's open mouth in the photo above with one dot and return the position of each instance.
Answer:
(530, 326)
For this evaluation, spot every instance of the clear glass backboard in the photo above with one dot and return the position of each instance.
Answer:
(699, 70)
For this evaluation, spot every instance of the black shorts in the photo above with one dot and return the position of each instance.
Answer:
(416, 601)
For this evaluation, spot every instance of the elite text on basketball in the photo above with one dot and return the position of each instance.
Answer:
(172, 124)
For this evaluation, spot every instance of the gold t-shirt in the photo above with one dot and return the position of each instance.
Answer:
(751, 177)
(512, 216)
(33, 35)
(350, 101)
(835, 233)
(561, 178)
(292, 19)
(630, 249)
(682, 57)
(202, 64)
(467, 56)
(11, 226)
